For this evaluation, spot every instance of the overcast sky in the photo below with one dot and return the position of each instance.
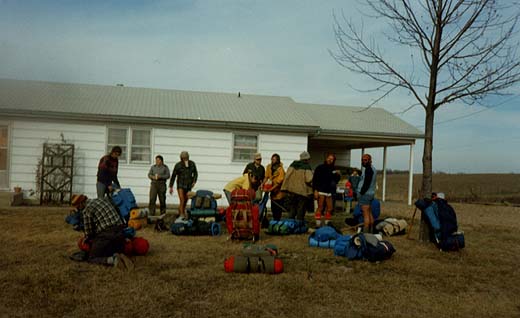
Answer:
(265, 47)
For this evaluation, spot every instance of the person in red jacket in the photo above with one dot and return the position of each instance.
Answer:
(107, 172)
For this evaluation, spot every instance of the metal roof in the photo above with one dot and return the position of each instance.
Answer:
(85, 101)
(334, 119)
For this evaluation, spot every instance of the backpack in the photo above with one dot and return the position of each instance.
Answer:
(242, 216)
(383, 250)
(286, 227)
(203, 204)
(75, 218)
(442, 220)
(453, 242)
(195, 227)
(375, 207)
(447, 218)
(124, 200)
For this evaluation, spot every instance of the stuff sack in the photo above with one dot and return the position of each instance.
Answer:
(391, 226)
(286, 227)
(453, 242)
(324, 237)
(383, 250)
(203, 204)
(340, 246)
(124, 200)
(242, 216)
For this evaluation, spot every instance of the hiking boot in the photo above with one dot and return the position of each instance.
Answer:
(79, 256)
(122, 262)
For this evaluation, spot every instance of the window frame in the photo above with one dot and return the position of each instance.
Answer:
(129, 144)
(233, 147)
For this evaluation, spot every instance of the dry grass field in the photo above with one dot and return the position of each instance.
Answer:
(184, 276)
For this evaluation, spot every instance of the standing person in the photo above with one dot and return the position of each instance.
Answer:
(298, 184)
(366, 191)
(256, 168)
(107, 172)
(274, 176)
(246, 181)
(103, 228)
(158, 175)
(324, 185)
(186, 174)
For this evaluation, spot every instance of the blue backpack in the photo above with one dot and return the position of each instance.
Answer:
(203, 204)
(375, 206)
(124, 200)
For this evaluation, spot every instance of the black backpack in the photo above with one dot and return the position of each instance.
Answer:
(447, 218)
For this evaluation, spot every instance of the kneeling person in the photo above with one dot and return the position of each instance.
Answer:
(104, 231)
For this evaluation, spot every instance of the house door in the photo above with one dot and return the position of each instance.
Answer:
(4, 164)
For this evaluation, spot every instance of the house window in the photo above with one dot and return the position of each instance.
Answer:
(244, 147)
(135, 143)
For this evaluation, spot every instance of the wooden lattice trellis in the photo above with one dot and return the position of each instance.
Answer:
(56, 173)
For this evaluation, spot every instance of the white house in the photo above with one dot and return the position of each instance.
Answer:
(221, 131)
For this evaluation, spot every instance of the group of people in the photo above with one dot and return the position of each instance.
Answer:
(300, 184)
(184, 171)
(293, 189)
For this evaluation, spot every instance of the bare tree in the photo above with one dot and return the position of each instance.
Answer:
(466, 48)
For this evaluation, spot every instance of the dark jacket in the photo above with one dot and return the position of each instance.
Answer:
(107, 170)
(186, 176)
(325, 180)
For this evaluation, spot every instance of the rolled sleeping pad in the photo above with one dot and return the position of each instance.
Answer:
(244, 264)
(84, 246)
(135, 223)
(323, 244)
(215, 229)
(138, 214)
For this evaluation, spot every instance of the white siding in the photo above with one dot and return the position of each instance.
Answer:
(28, 137)
(211, 150)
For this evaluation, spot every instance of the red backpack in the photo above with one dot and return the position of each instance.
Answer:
(242, 216)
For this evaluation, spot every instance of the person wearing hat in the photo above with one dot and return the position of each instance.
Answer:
(256, 167)
(298, 185)
(107, 172)
(185, 172)
(103, 229)
(158, 175)
(366, 191)
(324, 184)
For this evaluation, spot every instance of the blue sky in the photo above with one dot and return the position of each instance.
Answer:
(263, 47)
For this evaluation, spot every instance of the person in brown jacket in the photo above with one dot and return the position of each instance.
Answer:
(298, 184)
(274, 175)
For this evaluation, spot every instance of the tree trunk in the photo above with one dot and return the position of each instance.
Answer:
(426, 189)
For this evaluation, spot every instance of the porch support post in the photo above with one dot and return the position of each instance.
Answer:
(384, 173)
(410, 176)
